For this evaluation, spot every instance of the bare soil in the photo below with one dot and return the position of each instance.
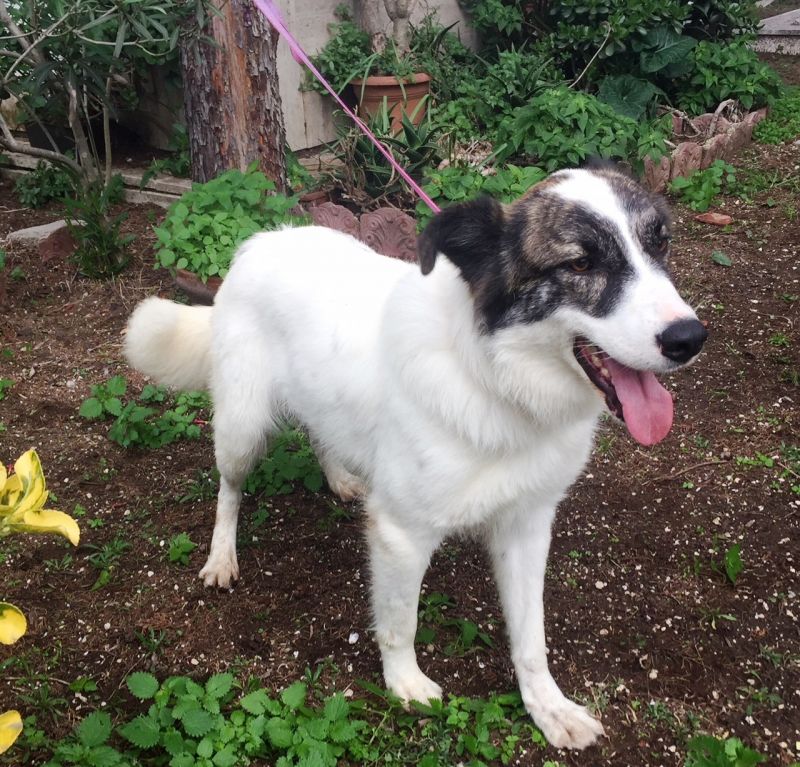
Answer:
(642, 621)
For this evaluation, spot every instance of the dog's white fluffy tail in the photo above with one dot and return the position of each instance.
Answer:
(171, 343)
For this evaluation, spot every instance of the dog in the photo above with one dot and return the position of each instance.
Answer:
(459, 397)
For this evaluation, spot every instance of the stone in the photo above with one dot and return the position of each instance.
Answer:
(686, 159)
(656, 174)
(336, 217)
(57, 246)
(390, 232)
(701, 123)
(716, 219)
(739, 135)
(753, 118)
(199, 292)
(716, 148)
(35, 234)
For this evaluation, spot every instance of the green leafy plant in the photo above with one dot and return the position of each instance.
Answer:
(5, 386)
(459, 636)
(106, 558)
(290, 460)
(177, 163)
(708, 751)
(783, 121)
(45, 183)
(217, 724)
(729, 71)
(366, 173)
(105, 399)
(457, 184)
(101, 250)
(180, 547)
(203, 229)
(561, 128)
(146, 422)
(700, 188)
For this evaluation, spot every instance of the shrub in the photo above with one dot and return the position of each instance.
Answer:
(101, 250)
(364, 169)
(456, 184)
(46, 182)
(483, 102)
(203, 229)
(727, 71)
(561, 128)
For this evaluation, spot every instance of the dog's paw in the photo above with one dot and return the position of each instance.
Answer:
(566, 724)
(221, 569)
(413, 686)
(347, 486)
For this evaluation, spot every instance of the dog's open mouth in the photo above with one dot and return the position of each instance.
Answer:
(635, 396)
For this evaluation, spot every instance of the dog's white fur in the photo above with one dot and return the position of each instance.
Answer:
(444, 427)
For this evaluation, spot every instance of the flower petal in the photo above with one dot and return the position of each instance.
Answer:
(12, 624)
(48, 521)
(10, 728)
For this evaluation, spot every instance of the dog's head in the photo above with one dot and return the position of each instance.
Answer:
(584, 253)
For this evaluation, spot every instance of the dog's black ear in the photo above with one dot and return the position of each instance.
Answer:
(466, 233)
(593, 162)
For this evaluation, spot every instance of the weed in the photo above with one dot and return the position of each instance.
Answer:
(779, 341)
(83, 684)
(215, 725)
(59, 565)
(700, 188)
(712, 616)
(465, 635)
(106, 558)
(5, 385)
(290, 460)
(707, 751)
(203, 488)
(152, 641)
(44, 183)
(720, 258)
(139, 425)
(180, 547)
(783, 121)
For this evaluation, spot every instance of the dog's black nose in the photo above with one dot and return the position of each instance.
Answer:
(682, 340)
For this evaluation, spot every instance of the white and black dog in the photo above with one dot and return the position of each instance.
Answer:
(461, 398)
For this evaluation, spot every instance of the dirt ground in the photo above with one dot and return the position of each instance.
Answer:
(642, 621)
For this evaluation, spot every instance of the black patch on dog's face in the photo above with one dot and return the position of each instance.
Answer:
(525, 260)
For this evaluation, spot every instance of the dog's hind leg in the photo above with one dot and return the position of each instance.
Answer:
(243, 419)
(398, 560)
(347, 486)
(519, 546)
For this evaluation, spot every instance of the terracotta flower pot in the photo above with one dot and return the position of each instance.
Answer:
(403, 95)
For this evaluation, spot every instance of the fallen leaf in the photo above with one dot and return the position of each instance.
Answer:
(717, 219)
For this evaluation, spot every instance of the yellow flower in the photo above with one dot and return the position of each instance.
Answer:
(12, 623)
(22, 496)
(10, 728)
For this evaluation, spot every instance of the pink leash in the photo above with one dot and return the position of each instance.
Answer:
(270, 10)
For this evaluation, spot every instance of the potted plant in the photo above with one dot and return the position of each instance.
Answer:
(381, 71)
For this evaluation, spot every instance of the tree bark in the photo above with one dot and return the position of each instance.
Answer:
(368, 16)
(231, 96)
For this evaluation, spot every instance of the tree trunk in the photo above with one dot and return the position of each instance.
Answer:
(231, 96)
(369, 17)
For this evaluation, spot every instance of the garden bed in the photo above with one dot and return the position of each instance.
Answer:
(643, 620)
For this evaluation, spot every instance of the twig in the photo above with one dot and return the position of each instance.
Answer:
(665, 477)
(712, 126)
(591, 60)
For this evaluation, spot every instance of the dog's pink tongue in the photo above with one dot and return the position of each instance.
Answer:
(646, 404)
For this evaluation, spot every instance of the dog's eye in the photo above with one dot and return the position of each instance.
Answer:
(581, 265)
(662, 245)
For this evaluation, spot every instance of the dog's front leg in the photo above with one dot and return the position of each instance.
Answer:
(398, 560)
(222, 567)
(519, 546)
